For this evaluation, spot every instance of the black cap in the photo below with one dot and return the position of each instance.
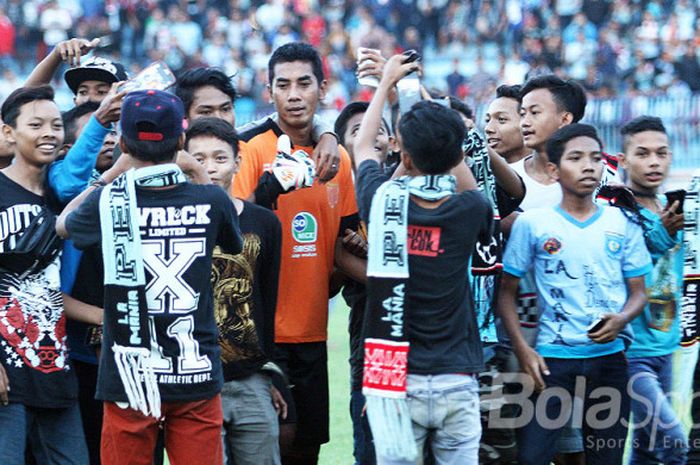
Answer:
(95, 69)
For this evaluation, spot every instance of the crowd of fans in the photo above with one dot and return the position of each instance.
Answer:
(628, 46)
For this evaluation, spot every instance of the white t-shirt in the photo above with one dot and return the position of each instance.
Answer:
(536, 194)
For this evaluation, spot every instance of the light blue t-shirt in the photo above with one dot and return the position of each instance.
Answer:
(657, 329)
(580, 270)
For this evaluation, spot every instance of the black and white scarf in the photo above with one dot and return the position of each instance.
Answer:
(386, 345)
(126, 310)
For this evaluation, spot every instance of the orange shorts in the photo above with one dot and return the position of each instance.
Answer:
(192, 434)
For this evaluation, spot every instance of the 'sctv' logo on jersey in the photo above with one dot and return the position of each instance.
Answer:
(424, 240)
(304, 227)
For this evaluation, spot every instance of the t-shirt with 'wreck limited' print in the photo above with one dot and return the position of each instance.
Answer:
(180, 227)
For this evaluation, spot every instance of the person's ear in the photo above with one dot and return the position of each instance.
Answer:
(393, 144)
(566, 119)
(322, 89)
(622, 159)
(8, 133)
(236, 164)
(181, 142)
(553, 171)
(406, 161)
(122, 146)
(269, 93)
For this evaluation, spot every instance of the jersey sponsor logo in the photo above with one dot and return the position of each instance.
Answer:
(552, 246)
(613, 244)
(168, 290)
(304, 228)
(424, 241)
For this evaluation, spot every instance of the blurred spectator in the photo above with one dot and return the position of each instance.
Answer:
(646, 46)
(55, 22)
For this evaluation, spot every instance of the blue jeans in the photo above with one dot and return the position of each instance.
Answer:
(446, 408)
(362, 444)
(604, 431)
(55, 435)
(658, 433)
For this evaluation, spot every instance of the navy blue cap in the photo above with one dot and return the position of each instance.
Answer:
(152, 115)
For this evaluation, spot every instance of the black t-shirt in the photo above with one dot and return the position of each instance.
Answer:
(245, 294)
(355, 295)
(440, 319)
(179, 229)
(32, 322)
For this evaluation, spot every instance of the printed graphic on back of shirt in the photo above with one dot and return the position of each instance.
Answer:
(174, 239)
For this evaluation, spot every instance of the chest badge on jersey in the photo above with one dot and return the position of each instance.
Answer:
(304, 232)
(333, 193)
(613, 244)
(552, 246)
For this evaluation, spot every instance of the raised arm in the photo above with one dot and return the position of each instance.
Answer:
(394, 70)
(68, 51)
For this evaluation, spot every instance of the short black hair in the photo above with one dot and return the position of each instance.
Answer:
(71, 117)
(296, 51)
(641, 124)
(557, 141)
(350, 110)
(215, 127)
(149, 150)
(460, 106)
(568, 95)
(13, 103)
(189, 81)
(432, 134)
(506, 91)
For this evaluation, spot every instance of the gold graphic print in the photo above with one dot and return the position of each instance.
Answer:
(232, 281)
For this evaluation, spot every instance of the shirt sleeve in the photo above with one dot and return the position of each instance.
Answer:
(246, 180)
(269, 281)
(229, 236)
(636, 260)
(83, 223)
(348, 206)
(69, 177)
(369, 177)
(520, 255)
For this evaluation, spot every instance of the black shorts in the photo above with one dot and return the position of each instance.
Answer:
(306, 366)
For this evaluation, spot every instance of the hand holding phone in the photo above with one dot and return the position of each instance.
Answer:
(676, 195)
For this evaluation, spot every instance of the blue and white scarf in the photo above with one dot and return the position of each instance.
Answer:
(386, 346)
(125, 282)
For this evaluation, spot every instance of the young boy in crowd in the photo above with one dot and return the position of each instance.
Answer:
(38, 389)
(245, 296)
(160, 356)
(313, 221)
(435, 229)
(658, 432)
(589, 263)
(503, 124)
(347, 126)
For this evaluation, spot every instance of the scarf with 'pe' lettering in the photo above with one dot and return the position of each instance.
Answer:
(386, 345)
(125, 282)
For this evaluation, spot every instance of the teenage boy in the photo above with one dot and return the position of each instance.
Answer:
(503, 124)
(347, 126)
(313, 220)
(245, 296)
(658, 433)
(7, 152)
(160, 357)
(589, 263)
(417, 226)
(209, 92)
(38, 389)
